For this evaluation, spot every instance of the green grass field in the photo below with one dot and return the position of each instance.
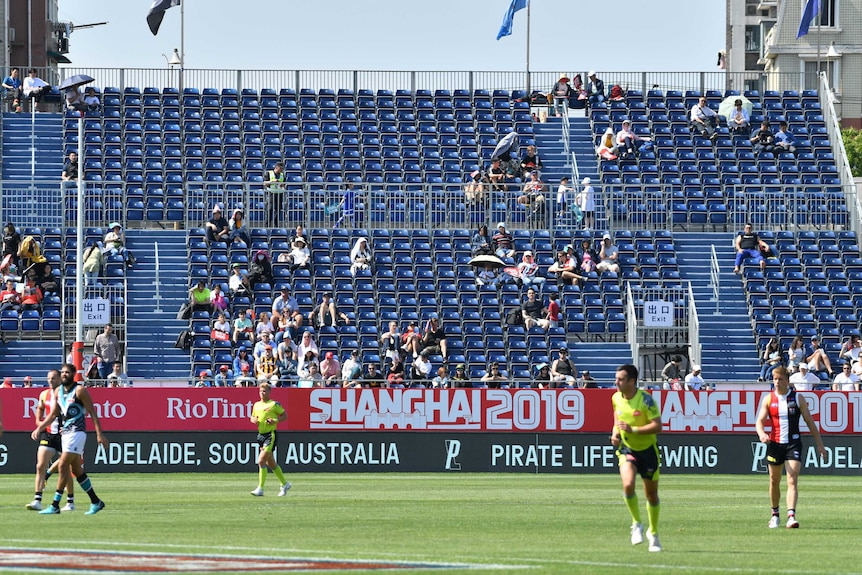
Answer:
(536, 524)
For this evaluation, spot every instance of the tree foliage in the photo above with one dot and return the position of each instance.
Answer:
(853, 146)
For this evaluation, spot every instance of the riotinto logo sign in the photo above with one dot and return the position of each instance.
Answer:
(453, 450)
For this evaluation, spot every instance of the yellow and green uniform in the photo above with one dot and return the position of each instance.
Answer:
(264, 410)
(637, 412)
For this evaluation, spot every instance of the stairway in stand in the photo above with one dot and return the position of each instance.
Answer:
(152, 326)
(728, 348)
(20, 133)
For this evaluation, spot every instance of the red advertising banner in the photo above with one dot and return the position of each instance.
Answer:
(462, 410)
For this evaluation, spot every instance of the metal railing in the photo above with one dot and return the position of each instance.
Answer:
(694, 352)
(715, 279)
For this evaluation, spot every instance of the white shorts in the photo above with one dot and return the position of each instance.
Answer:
(74, 441)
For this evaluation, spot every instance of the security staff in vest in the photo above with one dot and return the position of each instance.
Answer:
(275, 197)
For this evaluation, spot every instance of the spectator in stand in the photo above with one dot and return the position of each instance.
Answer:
(9, 297)
(542, 379)
(91, 100)
(106, 349)
(45, 279)
(411, 339)
(474, 191)
(630, 143)
(784, 140)
(360, 256)
(299, 256)
(217, 227)
(238, 229)
(739, 121)
(288, 362)
(530, 162)
(267, 368)
(694, 381)
(586, 202)
(771, 358)
(609, 254)
(420, 371)
(223, 377)
(260, 270)
(199, 297)
(245, 379)
(264, 325)
(480, 245)
(204, 379)
(326, 313)
(221, 328)
(11, 245)
(372, 377)
(533, 196)
(243, 356)
(115, 243)
(94, 260)
(330, 370)
(528, 272)
(70, 168)
(851, 349)
(795, 353)
(12, 92)
(804, 380)
(348, 207)
(395, 373)
(441, 380)
(243, 329)
(306, 345)
(533, 312)
(747, 246)
(587, 381)
(390, 341)
(311, 377)
(217, 299)
(433, 341)
(763, 140)
(564, 372)
(238, 282)
(595, 89)
(260, 346)
(494, 378)
(351, 371)
(292, 320)
(498, 176)
(846, 380)
(607, 148)
(503, 243)
(587, 257)
(566, 269)
(35, 88)
(818, 360)
(563, 192)
(74, 99)
(672, 374)
(703, 119)
(553, 310)
(489, 276)
(460, 378)
(559, 96)
(275, 195)
(31, 297)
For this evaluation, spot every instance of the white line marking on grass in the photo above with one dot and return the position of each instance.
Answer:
(771, 570)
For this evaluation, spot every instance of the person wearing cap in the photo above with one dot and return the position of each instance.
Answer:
(629, 143)
(326, 313)
(243, 329)
(595, 89)
(694, 381)
(267, 367)
(28, 381)
(460, 378)
(351, 371)
(360, 256)
(494, 378)
(564, 372)
(502, 242)
(528, 271)
(223, 377)
(542, 377)
(563, 192)
(420, 370)
(204, 379)
(330, 370)
(587, 381)
(7, 383)
(237, 283)
(238, 229)
(533, 196)
(559, 95)
(818, 360)
(217, 227)
(846, 380)
(243, 355)
(245, 379)
(115, 243)
(671, 374)
(781, 410)
(586, 201)
(372, 376)
(608, 254)
(299, 256)
(441, 380)
(703, 119)
(803, 380)
(530, 162)
(266, 414)
(275, 195)
(533, 311)
(565, 269)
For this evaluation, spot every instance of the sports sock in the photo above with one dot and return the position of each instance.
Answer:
(38, 496)
(57, 496)
(70, 498)
(775, 511)
(85, 484)
(652, 511)
(279, 474)
(48, 474)
(791, 513)
(634, 510)
(261, 476)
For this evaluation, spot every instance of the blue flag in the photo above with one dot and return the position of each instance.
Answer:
(812, 9)
(506, 28)
(157, 12)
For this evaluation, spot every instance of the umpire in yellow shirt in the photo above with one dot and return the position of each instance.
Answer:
(267, 414)
(637, 420)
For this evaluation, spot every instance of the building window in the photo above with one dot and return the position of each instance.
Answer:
(752, 39)
(811, 80)
(829, 13)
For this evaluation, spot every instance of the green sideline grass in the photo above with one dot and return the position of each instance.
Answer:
(551, 523)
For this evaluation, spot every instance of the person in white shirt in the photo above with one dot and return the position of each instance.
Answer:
(421, 368)
(562, 193)
(35, 88)
(846, 380)
(694, 381)
(351, 371)
(804, 380)
(739, 120)
(586, 200)
(703, 119)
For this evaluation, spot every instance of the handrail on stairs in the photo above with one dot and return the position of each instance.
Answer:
(156, 281)
(714, 279)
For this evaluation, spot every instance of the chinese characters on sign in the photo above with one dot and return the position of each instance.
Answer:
(97, 312)
(658, 313)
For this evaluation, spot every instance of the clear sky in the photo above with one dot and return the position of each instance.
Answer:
(566, 35)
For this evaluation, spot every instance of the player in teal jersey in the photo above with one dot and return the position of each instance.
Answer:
(637, 420)
(267, 414)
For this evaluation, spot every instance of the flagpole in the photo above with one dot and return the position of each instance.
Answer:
(182, 44)
(529, 88)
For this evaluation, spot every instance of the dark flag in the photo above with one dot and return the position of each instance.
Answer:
(157, 12)
(812, 7)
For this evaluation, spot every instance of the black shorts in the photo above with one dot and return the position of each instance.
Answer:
(51, 440)
(647, 462)
(778, 453)
(267, 441)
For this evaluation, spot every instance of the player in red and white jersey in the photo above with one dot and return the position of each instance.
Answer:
(781, 410)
